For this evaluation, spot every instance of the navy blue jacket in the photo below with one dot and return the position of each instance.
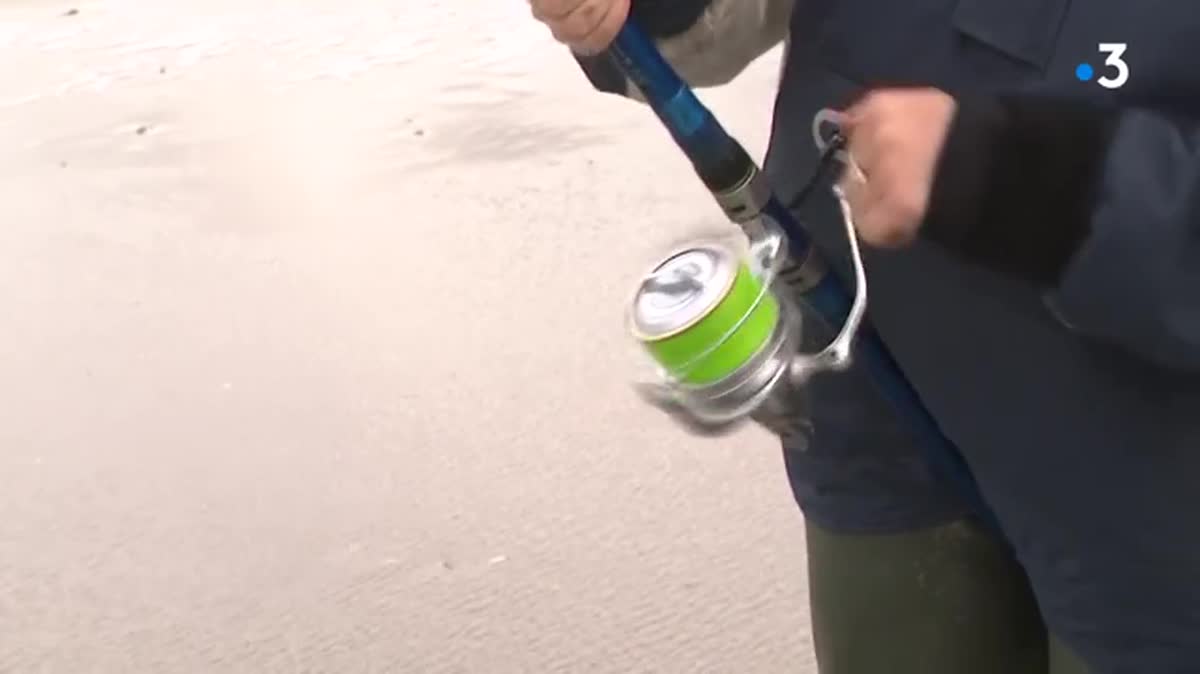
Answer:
(1050, 314)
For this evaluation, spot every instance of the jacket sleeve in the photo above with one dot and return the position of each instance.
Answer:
(709, 42)
(1099, 206)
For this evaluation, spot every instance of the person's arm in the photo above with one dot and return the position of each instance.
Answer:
(709, 42)
(1099, 206)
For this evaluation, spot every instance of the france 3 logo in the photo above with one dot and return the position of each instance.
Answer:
(1114, 61)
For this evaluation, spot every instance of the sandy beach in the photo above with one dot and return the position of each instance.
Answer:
(314, 356)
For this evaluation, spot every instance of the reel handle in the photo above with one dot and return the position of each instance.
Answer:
(837, 356)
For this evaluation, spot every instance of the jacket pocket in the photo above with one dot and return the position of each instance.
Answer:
(1024, 30)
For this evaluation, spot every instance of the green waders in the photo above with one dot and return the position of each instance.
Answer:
(947, 600)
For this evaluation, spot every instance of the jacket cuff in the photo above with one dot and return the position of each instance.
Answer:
(1017, 181)
(603, 73)
(667, 18)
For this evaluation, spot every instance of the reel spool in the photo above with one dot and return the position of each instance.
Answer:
(724, 330)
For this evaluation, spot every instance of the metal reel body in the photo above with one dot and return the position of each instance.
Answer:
(770, 387)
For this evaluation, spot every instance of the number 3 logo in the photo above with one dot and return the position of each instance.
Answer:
(1115, 51)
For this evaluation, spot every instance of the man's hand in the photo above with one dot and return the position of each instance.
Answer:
(895, 136)
(586, 26)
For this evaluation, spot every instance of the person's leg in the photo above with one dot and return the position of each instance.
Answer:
(1063, 661)
(944, 600)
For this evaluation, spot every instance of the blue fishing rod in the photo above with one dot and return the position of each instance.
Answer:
(768, 384)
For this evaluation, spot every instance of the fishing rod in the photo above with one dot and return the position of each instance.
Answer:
(724, 325)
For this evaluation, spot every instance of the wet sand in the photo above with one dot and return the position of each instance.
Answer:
(314, 357)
